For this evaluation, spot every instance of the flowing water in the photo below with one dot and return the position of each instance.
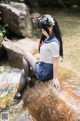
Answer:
(69, 72)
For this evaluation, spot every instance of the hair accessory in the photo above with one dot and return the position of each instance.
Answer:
(45, 20)
(50, 19)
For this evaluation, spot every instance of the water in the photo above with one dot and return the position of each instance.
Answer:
(9, 80)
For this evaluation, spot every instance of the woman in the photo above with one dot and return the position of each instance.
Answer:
(50, 49)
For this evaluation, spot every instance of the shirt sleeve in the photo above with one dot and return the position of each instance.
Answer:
(54, 49)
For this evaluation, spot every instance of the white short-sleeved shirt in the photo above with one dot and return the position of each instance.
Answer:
(48, 51)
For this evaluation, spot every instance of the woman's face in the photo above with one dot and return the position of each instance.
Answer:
(45, 33)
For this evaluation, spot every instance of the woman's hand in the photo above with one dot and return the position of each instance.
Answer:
(56, 83)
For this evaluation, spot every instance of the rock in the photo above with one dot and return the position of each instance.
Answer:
(20, 1)
(0, 15)
(34, 17)
(9, 79)
(37, 56)
(21, 116)
(15, 50)
(75, 6)
(46, 103)
(18, 18)
(3, 94)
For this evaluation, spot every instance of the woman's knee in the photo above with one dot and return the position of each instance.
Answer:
(24, 61)
(30, 59)
(25, 56)
(22, 72)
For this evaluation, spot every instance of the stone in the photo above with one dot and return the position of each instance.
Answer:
(0, 15)
(46, 103)
(17, 17)
(16, 49)
(75, 6)
(20, 1)
(34, 17)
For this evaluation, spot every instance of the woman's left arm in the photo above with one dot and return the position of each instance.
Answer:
(55, 73)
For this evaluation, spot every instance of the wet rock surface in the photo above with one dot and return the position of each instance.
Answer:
(9, 80)
(8, 83)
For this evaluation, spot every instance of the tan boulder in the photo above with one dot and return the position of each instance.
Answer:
(16, 49)
(46, 103)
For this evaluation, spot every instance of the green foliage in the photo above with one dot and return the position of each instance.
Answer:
(3, 29)
(3, 32)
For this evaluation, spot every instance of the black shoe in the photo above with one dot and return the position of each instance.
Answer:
(30, 82)
(16, 98)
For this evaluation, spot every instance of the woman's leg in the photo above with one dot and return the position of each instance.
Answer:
(28, 60)
(21, 88)
(24, 74)
(22, 84)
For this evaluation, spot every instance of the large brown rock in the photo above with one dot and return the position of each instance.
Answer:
(16, 49)
(17, 17)
(34, 17)
(20, 1)
(46, 103)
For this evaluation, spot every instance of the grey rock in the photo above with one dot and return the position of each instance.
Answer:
(15, 50)
(17, 17)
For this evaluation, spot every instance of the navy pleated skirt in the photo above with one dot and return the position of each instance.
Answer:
(44, 71)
